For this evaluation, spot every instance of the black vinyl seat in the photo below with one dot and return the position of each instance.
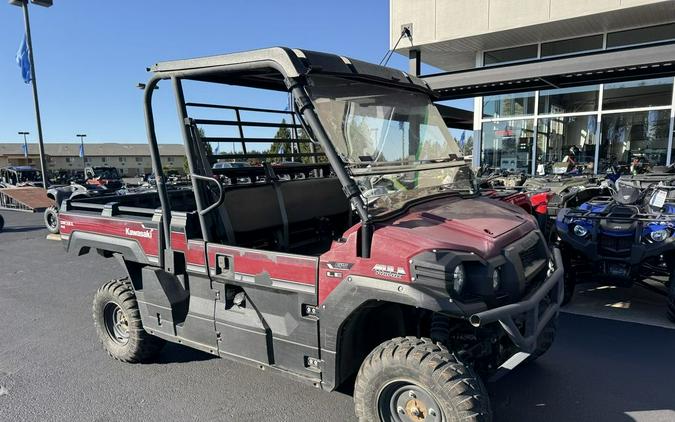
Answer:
(286, 215)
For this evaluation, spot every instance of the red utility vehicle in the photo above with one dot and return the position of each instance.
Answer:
(103, 177)
(381, 262)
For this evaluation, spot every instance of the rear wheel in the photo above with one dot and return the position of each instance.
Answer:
(52, 220)
(118, 324)
(2, 223)
(414, 379)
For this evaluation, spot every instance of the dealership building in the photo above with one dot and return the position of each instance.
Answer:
(130, 159)
(549, 78)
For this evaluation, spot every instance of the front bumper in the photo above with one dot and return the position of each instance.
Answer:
(636, 253)
(524, 321)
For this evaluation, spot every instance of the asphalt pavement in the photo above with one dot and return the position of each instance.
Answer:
(53, 369)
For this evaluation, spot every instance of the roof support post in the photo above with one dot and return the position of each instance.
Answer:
(192, 156)
(157, 167)
(415, 62)
(306, 109)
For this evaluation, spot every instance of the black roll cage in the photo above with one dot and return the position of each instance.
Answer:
(248, 69)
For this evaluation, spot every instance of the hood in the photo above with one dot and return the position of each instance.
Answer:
(478, 217)
(479, 225)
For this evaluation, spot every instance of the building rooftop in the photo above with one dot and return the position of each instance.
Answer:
(72, 149)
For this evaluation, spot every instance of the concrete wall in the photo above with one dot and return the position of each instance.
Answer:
(440, 20)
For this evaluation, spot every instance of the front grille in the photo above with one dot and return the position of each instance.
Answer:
(615, 245)
(529, 255)
(533, 258)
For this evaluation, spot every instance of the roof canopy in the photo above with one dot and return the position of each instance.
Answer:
(584, 69)
(271, 68)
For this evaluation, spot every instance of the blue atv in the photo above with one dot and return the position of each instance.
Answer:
(623, 236)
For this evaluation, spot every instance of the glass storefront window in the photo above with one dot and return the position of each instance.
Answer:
(641, 35)
(510, 54)
(633, 136)
(569, 100)
(566, 144)
(508, 145)
(509, 105)
(645, 93)
(573, 45)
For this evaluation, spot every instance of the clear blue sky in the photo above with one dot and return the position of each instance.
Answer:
(91, 54)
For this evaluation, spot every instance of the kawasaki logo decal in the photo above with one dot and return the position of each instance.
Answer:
(138, 233)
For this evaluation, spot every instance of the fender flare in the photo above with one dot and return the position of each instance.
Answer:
(81, 243)
(354, 292)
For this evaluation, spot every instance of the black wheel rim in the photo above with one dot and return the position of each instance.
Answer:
(51, 220)
(405, 401)
(116, 323)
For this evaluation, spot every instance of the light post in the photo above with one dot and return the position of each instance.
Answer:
(24, 6)
(25, 144)
(84, 161)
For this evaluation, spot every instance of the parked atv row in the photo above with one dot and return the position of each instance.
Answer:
(623, 235)
(618, 228)
(97, 181)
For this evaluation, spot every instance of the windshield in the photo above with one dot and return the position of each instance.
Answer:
(29, 176)
(393, 141)
(106, 173)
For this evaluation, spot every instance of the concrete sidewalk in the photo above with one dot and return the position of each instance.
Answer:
(633, 304)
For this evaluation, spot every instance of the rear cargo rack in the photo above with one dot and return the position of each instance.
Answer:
(293, 142)
(613, 215)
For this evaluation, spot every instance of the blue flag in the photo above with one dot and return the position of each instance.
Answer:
(23, 60)
(462, 139)
(216, 151)
(24, 148)
(81, 150)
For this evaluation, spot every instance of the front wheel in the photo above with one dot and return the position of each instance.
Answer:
(118, 324)
(2, 223)
(414, 379)
(52, 220)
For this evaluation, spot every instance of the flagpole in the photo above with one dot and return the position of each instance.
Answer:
(84, 160)
(43, 162)
(25, 143)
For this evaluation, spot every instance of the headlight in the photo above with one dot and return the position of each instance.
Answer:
(580, 230)
(496, 280)
(458, 278)
(659, 235)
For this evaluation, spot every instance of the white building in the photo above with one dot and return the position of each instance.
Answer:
(129, 159)
(550, 75)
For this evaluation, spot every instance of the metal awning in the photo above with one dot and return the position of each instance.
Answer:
(609, 66)
(456, 117)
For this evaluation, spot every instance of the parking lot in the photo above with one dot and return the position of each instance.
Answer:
(612, 360)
